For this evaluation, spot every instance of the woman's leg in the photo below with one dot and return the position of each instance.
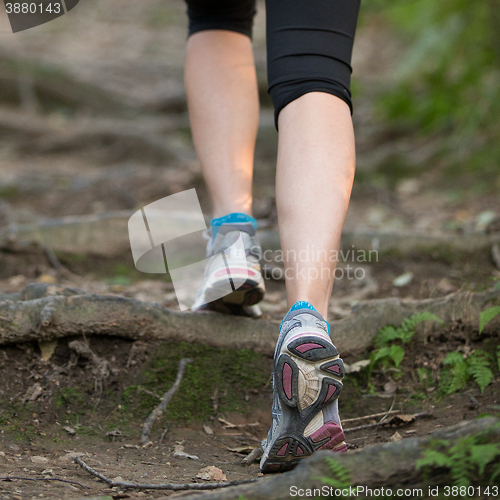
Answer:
(316, 162)
(221, 86)
(309, 55)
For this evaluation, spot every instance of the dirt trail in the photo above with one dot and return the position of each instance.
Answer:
(107, 130)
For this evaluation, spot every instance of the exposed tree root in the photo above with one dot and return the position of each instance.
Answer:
(146, 136)
(18, 478)
(43, 312)
(28, 80)
(391, 465)
(152, 486)
(403, 241)
(78, 234)
(148, 424)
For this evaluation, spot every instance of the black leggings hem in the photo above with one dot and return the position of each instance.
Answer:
(309, 42)
(220, 27)
(340, 93)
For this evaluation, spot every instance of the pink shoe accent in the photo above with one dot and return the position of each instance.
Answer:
(308, 347)
(287, 380)
(340, 449)
(282, 451)
(235, 270)
(334, 368)
(330, 393)
(331, 431)
(299, 451)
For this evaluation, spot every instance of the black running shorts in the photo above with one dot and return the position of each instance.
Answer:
(309, 42)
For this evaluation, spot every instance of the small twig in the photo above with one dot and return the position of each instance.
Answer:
(163, 433)
(229, 425)
(215, 401)
(146, 429)
(150, 393)
(5, 478)
(247, 434)
(359, 427)
(374, 415)
(390, 409)
(377, 424)
(358, 438)
(52, 257)
(169, 486)
(495, 255)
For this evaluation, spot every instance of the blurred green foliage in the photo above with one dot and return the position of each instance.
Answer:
(448, 80)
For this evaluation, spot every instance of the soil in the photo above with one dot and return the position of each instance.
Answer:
(134, 53)
(72, 413)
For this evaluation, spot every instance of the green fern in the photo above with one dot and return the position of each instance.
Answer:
(459, 373)
(405, 331)
(476, 366)
(387, 350)
(486, 316)
(424, 374)
(341, 477)
(397, 354)
(467, 459)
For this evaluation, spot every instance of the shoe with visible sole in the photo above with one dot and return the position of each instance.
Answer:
(238, 263)
(307, 380)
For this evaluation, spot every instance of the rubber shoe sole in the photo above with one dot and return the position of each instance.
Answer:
(308, 362)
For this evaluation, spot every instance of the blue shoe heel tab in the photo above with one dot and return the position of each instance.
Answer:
(233, 218)
(304, 306)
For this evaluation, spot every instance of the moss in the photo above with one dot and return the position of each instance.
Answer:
(351, 392)
(388, 173)
(120, 268)
(119, 280)
(13, 421)
(70, 258)
(9, 192)
(72, 398)
(234, 373)
(86, 431)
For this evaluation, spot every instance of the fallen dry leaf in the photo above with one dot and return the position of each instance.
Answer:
(33, 392)
(46, 278)
(396, 436)
(358, 366)
(47, 348)
(211, 473)
(390, 387)
(400, 419)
